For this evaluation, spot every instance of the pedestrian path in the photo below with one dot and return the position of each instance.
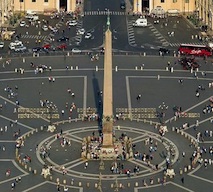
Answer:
(104, 13)
(33, 36)
(191, 43)
(78, 38)
(130, 32)
(158, 35)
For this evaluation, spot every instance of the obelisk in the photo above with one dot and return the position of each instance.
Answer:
(107, 120)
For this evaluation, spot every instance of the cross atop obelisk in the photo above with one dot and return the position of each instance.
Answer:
(107, 120)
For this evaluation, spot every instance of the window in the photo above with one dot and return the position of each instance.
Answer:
(45, 1)
(162, 1)
(33, 1)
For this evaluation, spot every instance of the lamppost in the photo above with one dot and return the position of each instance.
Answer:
(51, 108)
(163, 108)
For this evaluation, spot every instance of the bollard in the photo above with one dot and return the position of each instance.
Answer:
(158, 77)
(23, 60)
(76, 68)
(136, 68)
(116, 68)
(96, 68)
(144, 54)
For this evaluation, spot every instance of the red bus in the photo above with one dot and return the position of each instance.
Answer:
(196, 50)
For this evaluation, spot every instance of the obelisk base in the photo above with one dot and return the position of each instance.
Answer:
(108, 153)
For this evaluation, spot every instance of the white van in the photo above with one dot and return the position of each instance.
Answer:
(141, 22)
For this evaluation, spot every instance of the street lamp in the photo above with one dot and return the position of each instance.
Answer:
(163, 108)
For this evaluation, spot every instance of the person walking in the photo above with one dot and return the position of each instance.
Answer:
(182, 180)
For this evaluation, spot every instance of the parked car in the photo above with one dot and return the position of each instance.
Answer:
(63, 39)
(46, 46)
(62, 46)
(22, 24)
(88, 35)
(36, 49)
(1, 44)
(164, 51)
(72, 23)
(16, 42)
(75, 50)
(45, 28)
(20, 48)
(81, 31)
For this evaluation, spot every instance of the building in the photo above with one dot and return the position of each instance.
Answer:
(204, 10)
(161, 7)
(6, 9)
(45, 5)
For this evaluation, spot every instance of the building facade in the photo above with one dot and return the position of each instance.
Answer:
(45, 5)
(204, 10)
(6, 9)
(163, 6)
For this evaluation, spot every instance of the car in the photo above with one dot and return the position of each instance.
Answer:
(45, 28)
(164, 51)
(63, 39)
(1, 44)
(22, 24)
(46, 46)
(75, 50)
(36, 49)
(88, 35)
(62, 46)
(81, 31)
(20, 48)
(72, 23)
(16, 42)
